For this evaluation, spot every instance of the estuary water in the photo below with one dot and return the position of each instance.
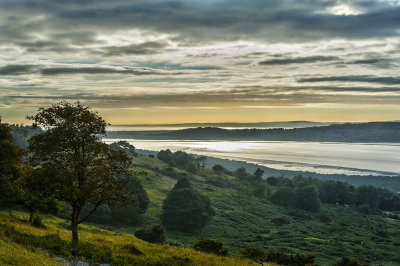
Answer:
(319, 157)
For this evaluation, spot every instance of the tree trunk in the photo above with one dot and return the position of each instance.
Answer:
(74, 228)
(76, 211)
(31, 216)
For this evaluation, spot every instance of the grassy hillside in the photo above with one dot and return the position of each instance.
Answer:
(244, 220)
(22, 244)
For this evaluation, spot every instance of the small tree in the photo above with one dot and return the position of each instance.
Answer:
(258, 174)
(255, 254)
(284, 196)
(185, 209)
(307, 198)
(218, 168)
(73, 165)
(153, 235)
(211, 246)
(11, 168)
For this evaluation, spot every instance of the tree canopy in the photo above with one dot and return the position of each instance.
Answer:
(11, 168)
(72, 164)
(185, 209)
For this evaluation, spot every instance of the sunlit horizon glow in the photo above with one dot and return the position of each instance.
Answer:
(169, 62)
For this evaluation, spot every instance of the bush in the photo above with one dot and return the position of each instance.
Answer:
(307, 198)
(153, 235)
(132, 249)
(37, 221)
(280, 221)
(284, 196)
(350, 262)
(185, 209)
(260, 256)
(218, 168)
(256, 254)
(290, 259)
(211, 246)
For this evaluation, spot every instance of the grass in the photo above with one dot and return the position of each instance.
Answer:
(244, 220)
(23, 244)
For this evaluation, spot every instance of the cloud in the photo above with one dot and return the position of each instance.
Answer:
(355, 78)
(247, 96)
(198, 22)
(143, 48)
(11, 70)
(96, 70)
(299, 60)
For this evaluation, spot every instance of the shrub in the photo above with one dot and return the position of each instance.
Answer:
(307, 198)
(210, 246)
(218, 168)
(255, 254)
(284, 196)
(350, 262)
(280, 221)
(185, 209)
(259, 256)
(37, 221)
(153, 235)
(132, 249)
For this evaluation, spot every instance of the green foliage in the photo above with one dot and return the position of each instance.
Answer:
(241, 173)
(261, 190)
(258, 174)
(284, 196)
(307, 198)
(260, 256)
(185, 209)
(132, 249)
(73, 165)
(256, 254)
(124, 146)
(182, 160)
(218, 168)
(153, 235)
(335, 192)
(130, 214)
(350, 262)
(211, 246)
(192, 168)
(11, 169)
(37, 221)
(290, 259)
(367, 195)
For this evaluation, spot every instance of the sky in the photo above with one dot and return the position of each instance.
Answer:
(161, 61)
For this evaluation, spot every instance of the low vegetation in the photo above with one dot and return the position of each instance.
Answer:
(69, 172)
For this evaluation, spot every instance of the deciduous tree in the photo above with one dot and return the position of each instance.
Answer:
(73, 165)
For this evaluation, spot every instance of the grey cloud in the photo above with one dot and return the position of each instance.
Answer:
(247, 96)
(206, 21)
(355, 78)
(139, 49)
(9, 70)
(96, 70)
(299, 60)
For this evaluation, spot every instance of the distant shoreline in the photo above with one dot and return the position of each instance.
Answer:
(373, 132)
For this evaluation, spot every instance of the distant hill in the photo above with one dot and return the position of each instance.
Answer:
(349, 132)
(280, 124)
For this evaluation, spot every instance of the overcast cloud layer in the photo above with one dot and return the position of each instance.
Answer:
(128, 55)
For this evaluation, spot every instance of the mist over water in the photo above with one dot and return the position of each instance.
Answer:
(318, 157)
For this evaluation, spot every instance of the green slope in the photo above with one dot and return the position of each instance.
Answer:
(22, 244)
(243, 220)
